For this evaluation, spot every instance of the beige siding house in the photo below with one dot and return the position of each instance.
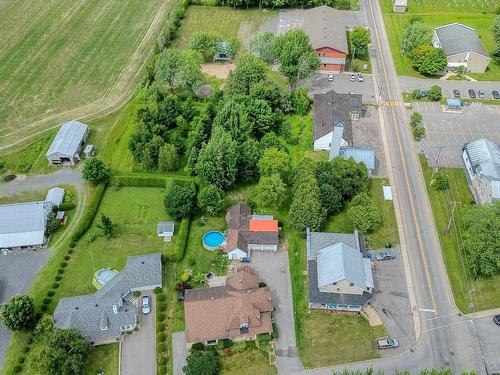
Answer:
(462, 47)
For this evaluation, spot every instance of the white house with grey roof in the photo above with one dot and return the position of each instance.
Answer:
(103, 317)
(482, 162)
(68, 143)
(462, 47)
(340, 277)
(22, 225)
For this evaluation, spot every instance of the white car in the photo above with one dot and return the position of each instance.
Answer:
(146, 305)
(330, 77)
(352, 78)
(360, 77)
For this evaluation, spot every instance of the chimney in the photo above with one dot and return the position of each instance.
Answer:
(338, 132)
(115, 309)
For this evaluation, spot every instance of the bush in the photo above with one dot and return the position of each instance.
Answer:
(44, 307)
(160, 337)
(58, 277)
(26, 349)
(227, 343)
(9, 177)
(262, 284)
(435, 93)
(136, 293)
(158, 290)
(67, 257)
(185, 277)
(440, 181)
(263, 338)
(148, 181)
(72, 244)
(197, 346)
(63, 264)
(180, 242)
(46, 300)
(68, 206)
(160, 348)
(51, 293)
(160, 306)
(161, 297)
(162, 370)
(160, 327)
(71, 251)
(18, 369)
(418, 133)
(90, 211)
(162, 361)
(21, 360)
(275, 331)
(60, 271)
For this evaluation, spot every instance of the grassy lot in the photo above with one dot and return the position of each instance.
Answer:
(228, 22)
(59, 56)
(103, 358)
(28, 196)
(478, 14)
(249, 362)
(486, 292)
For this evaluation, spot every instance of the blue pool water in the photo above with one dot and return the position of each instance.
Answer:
(213, 239)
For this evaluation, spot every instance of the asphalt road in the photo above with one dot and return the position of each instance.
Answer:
(444, 338)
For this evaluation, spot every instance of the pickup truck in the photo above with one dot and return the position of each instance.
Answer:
(387, 343)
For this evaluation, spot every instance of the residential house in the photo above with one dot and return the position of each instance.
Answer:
(339, 276)
(165, 229)
(22, 225)
(55, 196)
(105, 316)
(462, 47)
(248, 232)
(482, 162)
(399, 6)
(333, 117)
(68, 143)
(238, 310)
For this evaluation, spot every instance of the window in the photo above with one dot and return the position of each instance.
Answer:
(354, 115)
(351, 284)
(244, 328)
(334, 284)
(211, 342)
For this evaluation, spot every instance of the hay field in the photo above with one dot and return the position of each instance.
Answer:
(63, 59)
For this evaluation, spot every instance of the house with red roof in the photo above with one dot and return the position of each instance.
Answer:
(249, 232)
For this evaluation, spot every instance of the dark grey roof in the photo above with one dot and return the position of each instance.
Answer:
(165, 227)
(332, 107)
(320, 240)
(23, 224)
(315, 296)
(326, 28)
(108, 306)
(484, 157)
(68, 138)
(457, 38)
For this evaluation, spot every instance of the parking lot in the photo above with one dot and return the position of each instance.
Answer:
(446, 133)
(342, 84)
(390, 299)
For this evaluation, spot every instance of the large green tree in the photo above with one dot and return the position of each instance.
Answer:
(271, 191)
(179, 69)
(206, 43)
(95, 171)
(180, 201)
(61, 352)
(217, 160)
(416, 34)
(106, 226)
(495, 29)
(233, 117)
(428, 60)
(261, 44)
(249, 153)
(295, 55)
(482, 239)
(18, 313)
(249, 71)
(211, 200)
(201, 362)
(168, 158)
(363, 213)
(359, 38)
(350, 178)
(274, 162)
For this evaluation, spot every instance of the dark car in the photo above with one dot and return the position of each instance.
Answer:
(481, 94)
(456, 93)
(495, 94)
(472, 94)
(496, 319)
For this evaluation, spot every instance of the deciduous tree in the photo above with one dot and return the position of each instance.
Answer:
(350, 178)
(18, 313)
(95, 171)
(416, 34)
(202, 362)
(168, 159)
(180, 201)
(211, 200)
(206, 43)
(249, 71)
(363, 213)
(271, 191)
(106, 226)
(274, 162)
(249, 153)
(261, 44)
(359, 38)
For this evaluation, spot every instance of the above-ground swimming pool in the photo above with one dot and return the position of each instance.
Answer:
(213, 240)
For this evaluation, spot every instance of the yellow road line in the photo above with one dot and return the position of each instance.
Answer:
(420, 242)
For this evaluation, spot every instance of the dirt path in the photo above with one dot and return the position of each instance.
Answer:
(113, 99)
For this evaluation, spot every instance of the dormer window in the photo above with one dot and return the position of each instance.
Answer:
(244, 328)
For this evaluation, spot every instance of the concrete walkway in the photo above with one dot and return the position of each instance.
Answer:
(63, 176)
(484, 314)
(179, 351)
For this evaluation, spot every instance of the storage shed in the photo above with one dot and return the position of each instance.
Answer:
(165, 229)
(55, 196)
(68, 143)
(400, 6)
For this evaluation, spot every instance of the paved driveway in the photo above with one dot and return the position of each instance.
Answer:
(274, 270)
(446, 133)
(138, 351)
(179, 351)
(341, 84)
(17, 272)
(391, 301)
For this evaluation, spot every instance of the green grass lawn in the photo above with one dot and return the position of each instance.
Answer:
(249, 362)
(58, 56)
(478, 14)
(228, 22)
(103, 358)
(486, 292)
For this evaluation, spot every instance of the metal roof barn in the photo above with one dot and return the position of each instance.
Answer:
(55, 196)
(68, 142)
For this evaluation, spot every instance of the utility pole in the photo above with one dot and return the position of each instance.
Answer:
(447, 229)
(436, 168)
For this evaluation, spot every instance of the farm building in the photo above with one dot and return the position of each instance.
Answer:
(238, 310)
(68, 143)
(55, 196)
(165, 229)
(22, 225)
(462, 47)
(105, 316)
(400, 6)
(482, 162)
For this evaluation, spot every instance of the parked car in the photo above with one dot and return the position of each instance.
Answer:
(456, 93)
(387, 343)
(495, 94)
(496, 319)
(146, 304)
(360, 77)
(385, 255)
(472, 94)
(481, 94)
(352, 78)
(330, 77)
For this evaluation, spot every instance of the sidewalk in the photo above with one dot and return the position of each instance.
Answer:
(483, 314)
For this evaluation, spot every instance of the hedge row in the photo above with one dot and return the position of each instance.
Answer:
(147, 181)
(176, 15)
(180, 242)
(89, 213)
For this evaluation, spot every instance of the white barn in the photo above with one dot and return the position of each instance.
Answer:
(22, 225)
(68, 143)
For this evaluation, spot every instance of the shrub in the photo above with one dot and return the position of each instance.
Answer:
(180, 243)
(418, 133)
(60, 271)
(160, 306)
(227, 343)
(58, 277)
(162, 370)
(160, 348)
(26, 349)
(160, 317)
(262, 284)
(50, 293)
(67, 257)
(9, 177)
(63, 264)
(46, 300)
(18, 313)
(44, 307)
(90, 211)
(160, 327)
(30, 340)
(197, 346)
(18, 369)
(161, 297)
(162, 361)
(275, 331)
(435, 93)
(137, 293)
(71, 251)
(264, 338)
(148, 181)
(68, 206)
(158, 290)
(160, 337)
(21, 360)
(440, 181)
(185, 277)
(72, 244)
